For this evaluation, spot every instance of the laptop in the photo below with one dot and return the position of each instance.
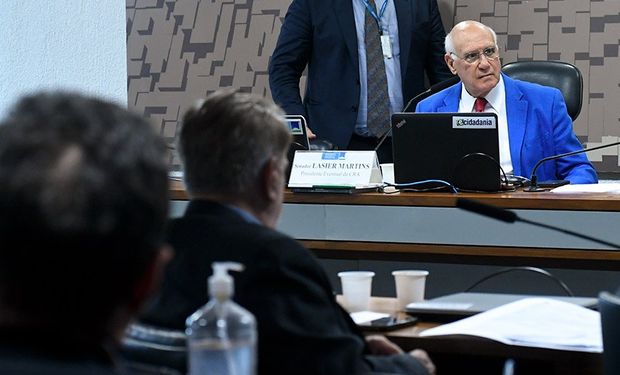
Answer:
(459, 148)
(461, 305)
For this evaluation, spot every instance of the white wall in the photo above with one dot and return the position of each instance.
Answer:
(76, 45)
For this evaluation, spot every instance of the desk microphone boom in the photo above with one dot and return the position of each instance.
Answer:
(510, 217)
(432, 90)
(534, 180)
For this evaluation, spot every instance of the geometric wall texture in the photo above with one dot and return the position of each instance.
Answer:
(180, 51)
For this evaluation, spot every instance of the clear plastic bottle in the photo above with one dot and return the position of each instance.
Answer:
(221, 335)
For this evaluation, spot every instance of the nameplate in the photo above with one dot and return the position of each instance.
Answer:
(333, 168)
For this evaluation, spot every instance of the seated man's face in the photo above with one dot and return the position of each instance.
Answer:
(477, 59)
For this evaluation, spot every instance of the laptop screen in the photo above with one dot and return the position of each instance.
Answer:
(460, 148)
(297, 126)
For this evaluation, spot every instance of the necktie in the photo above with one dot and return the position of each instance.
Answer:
(378, 116)
(480, 105)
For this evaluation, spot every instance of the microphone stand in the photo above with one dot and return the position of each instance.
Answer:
(383, 138)
(534, 180)
(511, 217)
(433, 89)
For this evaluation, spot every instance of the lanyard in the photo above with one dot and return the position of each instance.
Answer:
(374, 15)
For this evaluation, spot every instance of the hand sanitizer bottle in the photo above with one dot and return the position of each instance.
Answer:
(221, 335)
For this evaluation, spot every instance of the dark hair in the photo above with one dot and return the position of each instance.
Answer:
(226, 140)
(83, 204)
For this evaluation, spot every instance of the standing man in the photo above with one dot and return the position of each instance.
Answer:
(83, 205)
(532, 119)
(366, 59)
(233, 148)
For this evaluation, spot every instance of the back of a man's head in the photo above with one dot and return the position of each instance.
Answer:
(83, 205)
(226, 141)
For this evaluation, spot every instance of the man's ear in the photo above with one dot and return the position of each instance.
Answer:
(272, 178)
(450, 62)
(151, 278)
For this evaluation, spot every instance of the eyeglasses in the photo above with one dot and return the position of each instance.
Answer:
(490, 53)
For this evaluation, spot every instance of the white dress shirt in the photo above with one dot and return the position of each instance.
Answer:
(496, 99)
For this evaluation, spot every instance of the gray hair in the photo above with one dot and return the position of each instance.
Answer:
(449, 41)
(226, 140)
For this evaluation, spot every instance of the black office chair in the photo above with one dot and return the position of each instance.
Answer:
(609, 306)
(563, 76)
(148, 350)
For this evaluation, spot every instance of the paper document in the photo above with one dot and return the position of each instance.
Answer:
(536, 322)
(613, 188)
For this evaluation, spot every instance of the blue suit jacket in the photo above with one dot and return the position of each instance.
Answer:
(320, 34)
(538, 127)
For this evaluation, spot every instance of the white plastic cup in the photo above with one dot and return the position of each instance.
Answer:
(356, 287)
(410, 286)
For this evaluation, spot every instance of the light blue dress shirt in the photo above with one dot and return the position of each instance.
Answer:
(389, 25)
(248, 217)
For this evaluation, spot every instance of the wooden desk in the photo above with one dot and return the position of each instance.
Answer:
(469, 355)
(426, 227)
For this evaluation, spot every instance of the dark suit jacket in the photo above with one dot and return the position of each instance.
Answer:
(538, 127)
(39, 352)
(321, 34)
(301, 328)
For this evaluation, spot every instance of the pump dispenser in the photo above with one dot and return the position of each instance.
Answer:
(221, 284)
(221, 335)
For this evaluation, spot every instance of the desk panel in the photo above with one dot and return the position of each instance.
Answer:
(399, 226)
(444, 225)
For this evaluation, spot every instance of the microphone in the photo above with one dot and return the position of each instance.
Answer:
(383, 137)
(486, 210)
(424, 94)
(534, 180)
(511, 217)
(432, 90)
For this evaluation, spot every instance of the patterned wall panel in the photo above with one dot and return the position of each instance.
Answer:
(179, 51)
(584, 33)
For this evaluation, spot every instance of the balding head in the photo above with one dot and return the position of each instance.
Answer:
(472, 54)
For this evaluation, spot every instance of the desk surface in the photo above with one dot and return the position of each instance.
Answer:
(517, 199)
(481, 349)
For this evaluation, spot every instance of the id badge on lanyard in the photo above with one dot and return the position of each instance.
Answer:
(386, 44)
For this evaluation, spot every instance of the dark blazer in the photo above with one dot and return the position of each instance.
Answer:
(538, 127)
(301, 328)
(43, 352)
(321, 34)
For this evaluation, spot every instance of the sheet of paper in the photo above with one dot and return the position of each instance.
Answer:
(536, 322)
(588, 188)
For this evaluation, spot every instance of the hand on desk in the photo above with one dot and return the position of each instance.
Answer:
(380, 345)
(424, 359)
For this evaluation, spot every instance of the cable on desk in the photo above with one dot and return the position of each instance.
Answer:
(411, 185)
(530, 269)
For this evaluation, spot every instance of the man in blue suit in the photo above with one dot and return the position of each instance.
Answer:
(327, 36)
(532, 120)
